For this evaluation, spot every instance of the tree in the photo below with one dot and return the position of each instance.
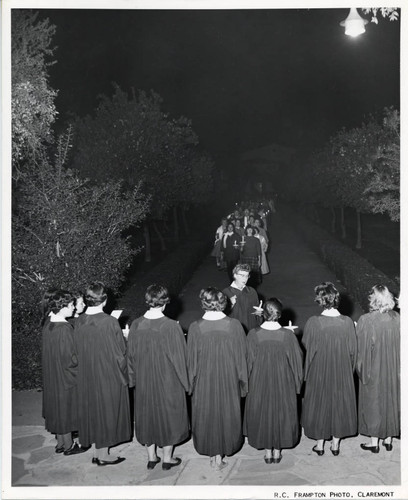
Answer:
(131, 138)
(66, 232)
(383, 189)
(32, 101)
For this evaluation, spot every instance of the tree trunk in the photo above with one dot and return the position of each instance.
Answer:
(148, 250)
(176, 225)
(333, 220)
(342, 224)
(185, 222)
(160, 236)
(358, 243)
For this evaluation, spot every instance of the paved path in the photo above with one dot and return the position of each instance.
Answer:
(295, 270)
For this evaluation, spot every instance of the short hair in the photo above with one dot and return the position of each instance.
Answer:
(241, 267)
(230, 223)
(260, 221)
(157, 295)
(54, 300)
(327, 295)
(381, 299)
(212, 299)
(249, 227)
(272, 309)
(256, 230)
(95, 294)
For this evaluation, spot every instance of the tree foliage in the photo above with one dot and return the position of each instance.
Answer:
(131, 138)
(390, 13)
(67, 232)
(32, 105)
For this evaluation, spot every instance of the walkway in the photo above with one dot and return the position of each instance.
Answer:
(295, 270)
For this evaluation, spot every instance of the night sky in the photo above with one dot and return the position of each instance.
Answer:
(246, 78)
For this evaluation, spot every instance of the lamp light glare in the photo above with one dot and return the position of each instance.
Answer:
(354, 24)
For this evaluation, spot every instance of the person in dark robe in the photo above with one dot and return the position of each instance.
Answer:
(218, 379)
(59, 370)
(158, 373)
(230, 248)
(329, 405)
(378, 368)
(243, 299)
(103, 394)
(251, 254)
(275, 372)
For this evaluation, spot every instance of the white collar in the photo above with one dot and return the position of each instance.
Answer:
(271, 325)
(330, 312)
(233, 285)
(54, 318)
(213, 315)
(94, 310)
(154, 313)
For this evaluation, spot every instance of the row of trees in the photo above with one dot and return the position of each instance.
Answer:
(76, 196)
(357, 168)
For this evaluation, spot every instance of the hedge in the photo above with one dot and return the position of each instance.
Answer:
(354, 272)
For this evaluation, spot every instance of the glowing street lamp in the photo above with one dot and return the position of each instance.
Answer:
(354, 23)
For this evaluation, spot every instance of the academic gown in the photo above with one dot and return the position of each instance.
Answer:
(247, 298)
(103, 395)
(59, 371)
(329, 406)
(218, 379)
(158, 372)
(378, 367)
(275, 377)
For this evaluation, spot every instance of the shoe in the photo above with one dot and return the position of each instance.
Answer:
(169, 465)
(319, 452)
(373, 449)
(151, 464)
(336, 453)
(387, 446)
(75, 449)
(59, 449)
(108, 462)
(268, 460)
(277, 460)
(221, 466)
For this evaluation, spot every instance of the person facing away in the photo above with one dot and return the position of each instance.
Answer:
(103, 395)
(218, 379)
(378, 368)
(59, 370)
(329, 405)
(275, 373)
(242, 298)
(158, 373)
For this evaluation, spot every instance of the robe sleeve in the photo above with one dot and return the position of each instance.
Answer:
(240, 353)
(365, 348)
(309, 341)
(252, 350)
(119, 348)
(192, 361)
(68, 356)
(295, 360)
(131, 346)
(176, 351)
(352, 344)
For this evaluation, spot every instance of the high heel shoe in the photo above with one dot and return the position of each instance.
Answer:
(373, 449)
(151, 464)
(319, 452)
(169, 465)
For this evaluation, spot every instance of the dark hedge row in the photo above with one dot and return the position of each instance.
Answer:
(173, 272)
(356, 273)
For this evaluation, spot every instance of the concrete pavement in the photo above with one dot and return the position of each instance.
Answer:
(295, 270)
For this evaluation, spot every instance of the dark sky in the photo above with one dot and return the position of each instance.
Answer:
(246, 78)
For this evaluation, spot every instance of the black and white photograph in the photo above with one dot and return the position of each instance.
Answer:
(202, 249)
